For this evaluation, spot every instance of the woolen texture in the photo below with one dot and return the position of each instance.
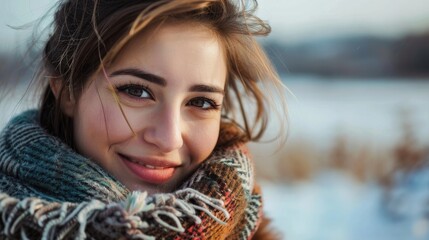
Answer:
(49, 191)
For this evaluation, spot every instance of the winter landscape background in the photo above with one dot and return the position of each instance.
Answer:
(356, 161)
(355, 165)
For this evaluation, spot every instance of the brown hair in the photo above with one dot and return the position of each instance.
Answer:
(88, 34)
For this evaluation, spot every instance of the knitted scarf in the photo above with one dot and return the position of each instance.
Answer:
(48, 191)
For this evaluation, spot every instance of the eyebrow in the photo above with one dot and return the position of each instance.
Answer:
(162, 82)
(206, 88)
(140, 74)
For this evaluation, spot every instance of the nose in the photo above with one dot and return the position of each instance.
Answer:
(164, 130)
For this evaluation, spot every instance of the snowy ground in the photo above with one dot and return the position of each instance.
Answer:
(335, 207)
(370, 110)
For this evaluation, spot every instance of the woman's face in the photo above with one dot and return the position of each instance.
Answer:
(170, 84)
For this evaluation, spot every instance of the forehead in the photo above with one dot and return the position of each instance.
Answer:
(185, 50)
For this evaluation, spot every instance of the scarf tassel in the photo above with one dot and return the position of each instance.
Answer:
(139, 212)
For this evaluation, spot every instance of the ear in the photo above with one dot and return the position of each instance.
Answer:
(62, 94)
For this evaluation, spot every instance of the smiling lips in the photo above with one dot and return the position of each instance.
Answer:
(151, 171)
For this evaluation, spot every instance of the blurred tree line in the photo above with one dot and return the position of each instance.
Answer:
(368, 57)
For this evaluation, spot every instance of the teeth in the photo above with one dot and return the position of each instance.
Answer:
(146, 165)
(150, 166)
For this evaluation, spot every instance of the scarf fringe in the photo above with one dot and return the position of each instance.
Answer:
(53, 220)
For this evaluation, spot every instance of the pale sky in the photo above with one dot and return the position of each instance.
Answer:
(292, 20)
(297, 20)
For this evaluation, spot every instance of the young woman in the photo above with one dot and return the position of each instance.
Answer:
(142, 124)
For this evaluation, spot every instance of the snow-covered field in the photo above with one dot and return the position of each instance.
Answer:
(370, 110)
(336, 207)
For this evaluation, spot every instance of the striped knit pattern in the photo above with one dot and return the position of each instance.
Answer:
(45, 165)
(51, 192)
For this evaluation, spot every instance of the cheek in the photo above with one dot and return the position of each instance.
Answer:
(87, 132)
(98, 124)
(203, 139)
(115, 123)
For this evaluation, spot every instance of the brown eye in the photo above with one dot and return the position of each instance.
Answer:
(203, 103)
(135, 91)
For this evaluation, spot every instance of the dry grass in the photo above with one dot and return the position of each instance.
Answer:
(301, 160)
(408, 156)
